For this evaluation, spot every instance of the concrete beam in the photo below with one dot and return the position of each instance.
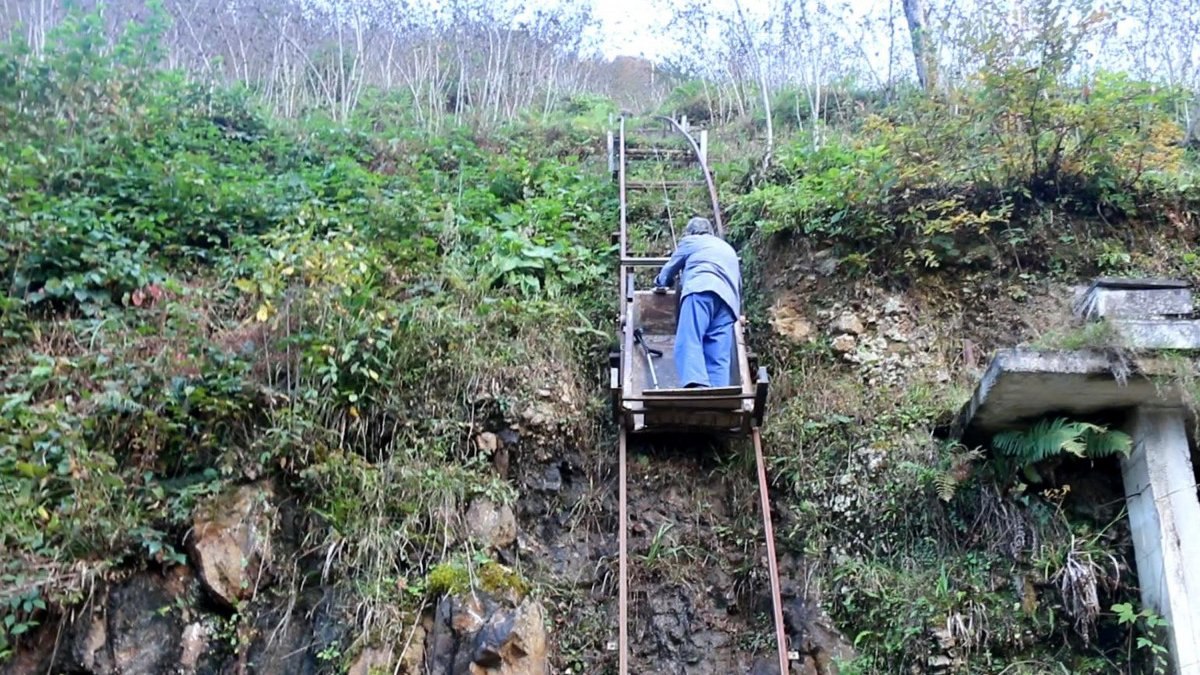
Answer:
(1164, 518)
(1025, 384)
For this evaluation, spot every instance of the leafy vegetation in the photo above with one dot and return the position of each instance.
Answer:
(197, 295)
(996, 174)
(1050, 439)
(200, 294)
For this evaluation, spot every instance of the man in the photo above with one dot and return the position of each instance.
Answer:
(711, 300)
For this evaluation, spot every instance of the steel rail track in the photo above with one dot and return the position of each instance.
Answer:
(627, 263)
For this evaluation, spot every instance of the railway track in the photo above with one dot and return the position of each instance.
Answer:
(646, 400)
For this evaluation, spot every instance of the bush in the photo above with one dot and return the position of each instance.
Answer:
(959, 178)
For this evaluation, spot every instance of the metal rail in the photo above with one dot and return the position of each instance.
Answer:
(627, 264)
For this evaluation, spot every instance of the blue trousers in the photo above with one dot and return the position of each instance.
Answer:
(704, 340)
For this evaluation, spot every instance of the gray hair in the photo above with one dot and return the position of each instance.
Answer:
(699, 226)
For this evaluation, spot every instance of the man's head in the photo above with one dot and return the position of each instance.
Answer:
(698, 226)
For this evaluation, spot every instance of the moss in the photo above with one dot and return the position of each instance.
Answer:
(492, 578)
(498, 579)
(448, 578)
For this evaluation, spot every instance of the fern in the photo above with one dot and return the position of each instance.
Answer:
(1051, 438)
(946, 485)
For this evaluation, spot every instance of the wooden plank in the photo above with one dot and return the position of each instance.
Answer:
(695, 393)
(661, 185)
(645, 261)
(722, 404)
(628, 384)
(692, 420)
(743, 359)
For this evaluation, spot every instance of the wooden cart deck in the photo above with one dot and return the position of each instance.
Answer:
(641, 407)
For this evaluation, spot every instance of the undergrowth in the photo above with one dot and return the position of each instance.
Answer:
(197, 295)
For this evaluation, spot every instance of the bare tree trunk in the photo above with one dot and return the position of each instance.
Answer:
(914, 11)
(1193, 129)
(762, 85)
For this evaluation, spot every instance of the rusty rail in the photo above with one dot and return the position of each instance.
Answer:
(626, 265)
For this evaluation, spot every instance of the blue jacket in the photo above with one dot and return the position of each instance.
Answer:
(709, 264)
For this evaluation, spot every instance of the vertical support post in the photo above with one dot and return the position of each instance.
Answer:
(623, 565)
(704, 146)
(1164, 518)
(612, 154)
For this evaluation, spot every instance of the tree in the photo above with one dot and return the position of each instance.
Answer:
(923, 54)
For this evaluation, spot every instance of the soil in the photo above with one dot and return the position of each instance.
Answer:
(699, 593)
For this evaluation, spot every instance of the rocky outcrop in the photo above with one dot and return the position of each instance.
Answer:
(477, 635)
(137, 626)
(230, 542)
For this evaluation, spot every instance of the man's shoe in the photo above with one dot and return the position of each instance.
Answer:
(695, 385)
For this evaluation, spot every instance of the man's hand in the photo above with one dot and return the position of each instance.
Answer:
(660, 290)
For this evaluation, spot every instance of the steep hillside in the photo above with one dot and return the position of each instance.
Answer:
(291, 396)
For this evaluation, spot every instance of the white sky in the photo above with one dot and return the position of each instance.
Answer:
(638, 27)
(633, 27)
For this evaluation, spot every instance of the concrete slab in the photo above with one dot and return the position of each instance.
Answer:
(1122, 303)
(1164, 519)
(1026, 384)
(1159, 333)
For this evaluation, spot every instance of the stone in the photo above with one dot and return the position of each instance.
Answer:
(378, 658)
(230, 542)
(487, 442)
(847, 323)
(194, 645)
(788, 323)
(124, 629)
(893, 306)
(552, 480)
(844, 344)
(480, 636)
(414, 652)
(494, 526)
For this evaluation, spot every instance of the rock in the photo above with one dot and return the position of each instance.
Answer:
(847, 324)
(377, 659)
(487, 442)
(230, 543)
(826, 263)
(552, 479)
(125, 630)
(844, 344)
(414, 652)
(194, 645)
(495, 526)
(818, 642)
(790, 324)
(287, 635)
(479, 636)
(893, 306)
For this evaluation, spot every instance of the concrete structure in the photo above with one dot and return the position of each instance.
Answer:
(1128, 380)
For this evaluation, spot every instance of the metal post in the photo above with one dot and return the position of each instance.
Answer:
(772, 565)
(623, 565)
(612, 155)
(704, 146)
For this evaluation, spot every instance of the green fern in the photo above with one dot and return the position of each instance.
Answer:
(1051, 438)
